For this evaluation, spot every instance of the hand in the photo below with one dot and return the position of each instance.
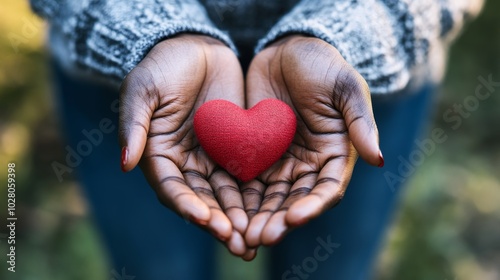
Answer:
(334, 120)
(158, 100)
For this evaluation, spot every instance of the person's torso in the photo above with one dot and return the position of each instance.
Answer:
(247, 21)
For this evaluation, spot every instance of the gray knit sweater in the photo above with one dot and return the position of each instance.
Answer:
(394, 44)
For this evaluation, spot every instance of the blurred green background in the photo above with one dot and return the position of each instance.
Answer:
(448, 226)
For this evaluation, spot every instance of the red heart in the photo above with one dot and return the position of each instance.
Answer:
(245, 142)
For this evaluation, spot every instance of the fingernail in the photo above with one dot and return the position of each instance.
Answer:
(300, 222)
(197, 221)
(221, 238)
(381, 157)
(218, 236)
(124, 158)
(249, 255)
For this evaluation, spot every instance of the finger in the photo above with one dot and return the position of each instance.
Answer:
(229, 197)
(356, 109)
(276, 227)
(137, 104)
(219, 224)
(274, 197)
(172, 190)
(255, 227)
(328, 190)
(249, 255)
(236, 244)
(301, 188)
(252, 193)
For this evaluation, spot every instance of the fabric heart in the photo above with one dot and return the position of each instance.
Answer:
(245, 142)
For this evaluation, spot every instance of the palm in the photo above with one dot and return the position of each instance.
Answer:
(173, 157)
(313, 174)
(183, 176)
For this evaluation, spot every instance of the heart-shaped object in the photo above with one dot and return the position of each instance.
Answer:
(245, 142)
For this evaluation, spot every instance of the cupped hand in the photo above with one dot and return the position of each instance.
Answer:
(334, 123)
(158, 100)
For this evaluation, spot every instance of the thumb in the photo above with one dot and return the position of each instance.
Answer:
(137, 105)
(356, 107)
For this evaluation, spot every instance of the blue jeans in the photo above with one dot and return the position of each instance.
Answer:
(151, 242)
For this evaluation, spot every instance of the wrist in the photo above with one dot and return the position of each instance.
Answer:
(199, 38)
(289, 39)
(191, 42)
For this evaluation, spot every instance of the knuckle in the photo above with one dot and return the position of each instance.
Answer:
(349, 82)
(349, 89)
(139, 83)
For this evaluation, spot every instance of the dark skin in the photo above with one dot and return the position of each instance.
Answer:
(335, 121)
(158, 101)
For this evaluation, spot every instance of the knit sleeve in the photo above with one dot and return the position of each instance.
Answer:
(393, 44)
(108, 38)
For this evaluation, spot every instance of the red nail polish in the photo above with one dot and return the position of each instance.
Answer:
(381, 157)
(124, 158)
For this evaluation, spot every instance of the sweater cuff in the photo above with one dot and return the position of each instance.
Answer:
(152, 37)
(107, 39)
(114, 51)
(393, 77)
